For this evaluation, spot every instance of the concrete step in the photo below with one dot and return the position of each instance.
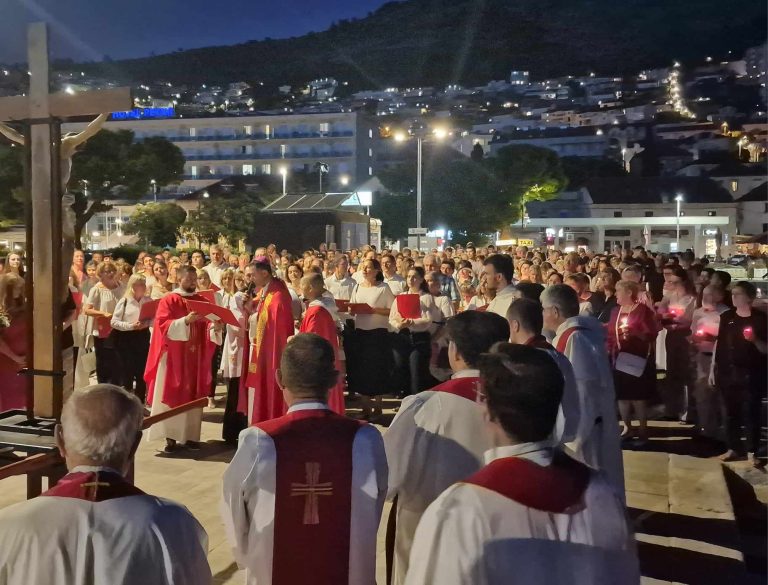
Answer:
(683, 518)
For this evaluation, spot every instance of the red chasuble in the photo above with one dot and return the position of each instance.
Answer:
(313, 496)
(188, 367)
(93, 486)
(274, 325)
(318, 320)
(464, 387)
(557, 488)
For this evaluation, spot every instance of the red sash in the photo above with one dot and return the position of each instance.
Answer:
(93, 486)
(313, 496)
(562, 342)
(464, 387)
(557, 488)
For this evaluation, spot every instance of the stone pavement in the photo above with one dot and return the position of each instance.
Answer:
(680, 505)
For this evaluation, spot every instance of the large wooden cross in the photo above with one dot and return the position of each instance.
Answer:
(42, 113)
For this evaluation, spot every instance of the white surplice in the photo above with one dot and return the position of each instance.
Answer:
(472, 535)
(503, 299)
(133, 540)
(185, 426)
(248, 505)
(435, 440)
(234, 344)
(597, 442)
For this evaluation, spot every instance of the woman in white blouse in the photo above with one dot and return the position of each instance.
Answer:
(99, 308)
(413, 341)
(131, 335)
(162, 286)
(231, 364)
(369, 368)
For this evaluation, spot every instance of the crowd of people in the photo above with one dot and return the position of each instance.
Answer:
(521, 372)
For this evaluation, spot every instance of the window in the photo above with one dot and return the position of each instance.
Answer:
(247, 169)
(325, 127)
(711, 213)
(649, 214)
(618, 214)
(248, 130)
(267, 131)
(283, 150)
(370, 171)
(194, 171)
(370, 153)
(193, 132)
(765, 227)
(370, 133)
(734, 185)
(266, 169)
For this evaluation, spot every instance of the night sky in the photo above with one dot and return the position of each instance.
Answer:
(86, 30)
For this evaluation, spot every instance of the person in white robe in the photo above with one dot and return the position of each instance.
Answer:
(437, 436)
(582, 340)
(312, 479)
(499, 270)
(532, 515)
(94, 526)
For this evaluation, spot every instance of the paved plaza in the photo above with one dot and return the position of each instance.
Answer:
(683, 514)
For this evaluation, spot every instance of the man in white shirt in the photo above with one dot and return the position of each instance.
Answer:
(532, 515)
(393, 280)
(582, 340)
(437, 437)
(304, 493)
(340, 284)
(217, 265)
(95, 526)
(499, 271)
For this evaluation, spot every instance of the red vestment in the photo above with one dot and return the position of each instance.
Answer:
(318, 320)
(313, 496)
(464, 387)
(273, 326)
(188, 367)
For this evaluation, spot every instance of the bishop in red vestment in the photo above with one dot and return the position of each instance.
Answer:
(320, 318)
(270, 326)
(304, 493)
(179, 362)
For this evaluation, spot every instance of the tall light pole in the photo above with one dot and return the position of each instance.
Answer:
(678, 200)
(284, 172)
(420, 134)
(154, 189)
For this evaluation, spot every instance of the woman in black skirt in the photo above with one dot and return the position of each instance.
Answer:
(131, 335)
(369, 367)
(632, 332)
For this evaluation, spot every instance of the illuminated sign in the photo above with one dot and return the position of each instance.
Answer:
(144, 113)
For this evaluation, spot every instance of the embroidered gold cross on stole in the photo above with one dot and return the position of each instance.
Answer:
(95, 484)
(311, 490)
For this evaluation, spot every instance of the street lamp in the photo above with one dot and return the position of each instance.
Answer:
(284, 172)
(678, 200)
(154, 189)
(344, 180)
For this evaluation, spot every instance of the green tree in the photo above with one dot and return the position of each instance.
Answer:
(229, 215)
(157, 224)
(581, 169)
(111, 165)
(528, 173)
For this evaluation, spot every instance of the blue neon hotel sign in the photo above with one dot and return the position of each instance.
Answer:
(144, 113)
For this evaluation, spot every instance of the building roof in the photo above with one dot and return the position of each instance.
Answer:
(732, 168)
(759, 193)
(314, 202)
(655, 190)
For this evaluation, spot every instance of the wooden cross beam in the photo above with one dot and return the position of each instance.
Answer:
(41, 113)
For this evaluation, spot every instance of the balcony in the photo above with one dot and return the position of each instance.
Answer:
(257, 136)
(275, 156)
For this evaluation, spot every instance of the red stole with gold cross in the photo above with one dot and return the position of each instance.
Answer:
(313, 496)
(464, 387)
(93, 486)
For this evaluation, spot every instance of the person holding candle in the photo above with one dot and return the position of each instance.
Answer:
(632, 331)
(706, 323)
(739, 370)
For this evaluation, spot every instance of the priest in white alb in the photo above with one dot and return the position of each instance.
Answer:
(582, 340)
(94, 526)
(532, 515)
(437, 437)
(178, 367)
(304, 493)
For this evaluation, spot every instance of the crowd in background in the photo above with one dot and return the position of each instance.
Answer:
(701, 337)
